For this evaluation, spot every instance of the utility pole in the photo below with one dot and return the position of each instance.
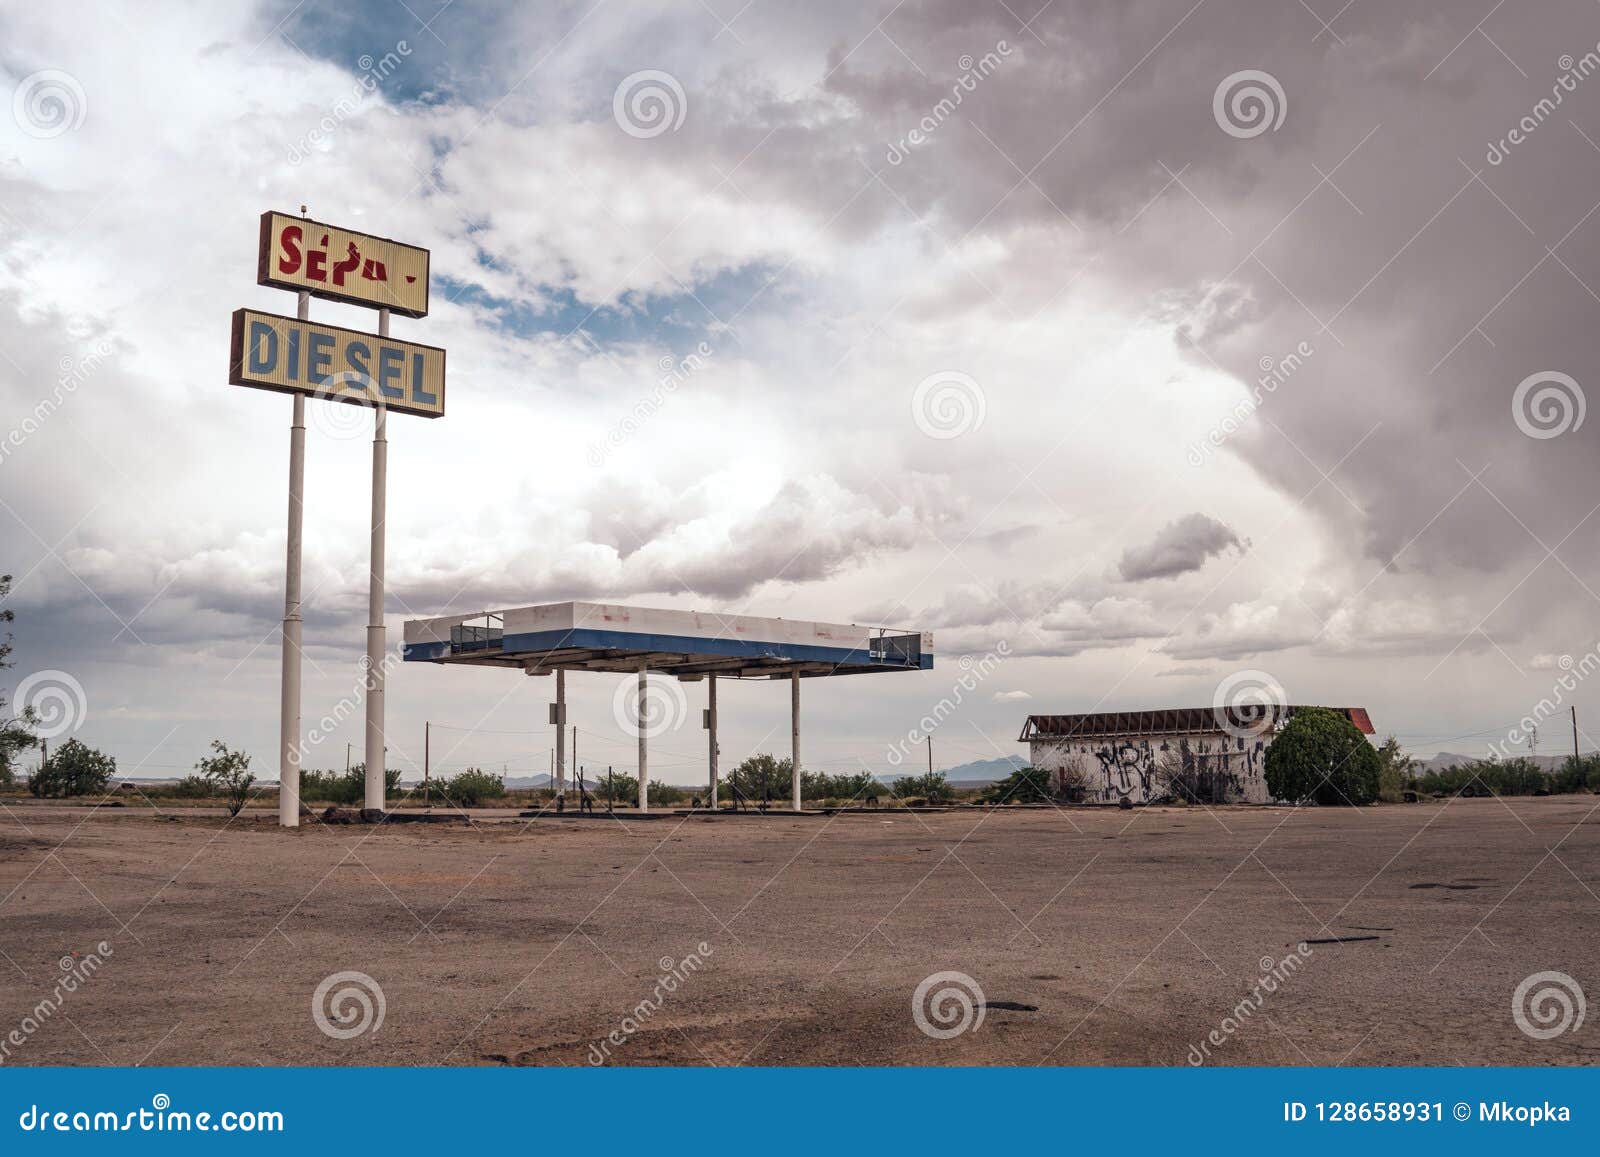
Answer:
(347, 759)
(930, 757)
(1574, 734)
(427, 738)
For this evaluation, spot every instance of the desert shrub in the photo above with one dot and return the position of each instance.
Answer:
(665, 793)
(847, 786)
(618, 789)
(74, 769)
(764, 776)
(349, 788)
(1321, 757)
(228, 774)
(1025, 785)
(472, 787)
(191, 787)
(1395, 770)
(1580, 773)
(1488, 777)
(335, 787)
(930, 786)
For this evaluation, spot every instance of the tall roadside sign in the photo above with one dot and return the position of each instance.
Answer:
(336, 365)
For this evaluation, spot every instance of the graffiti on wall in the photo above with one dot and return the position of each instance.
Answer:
(1145, 769)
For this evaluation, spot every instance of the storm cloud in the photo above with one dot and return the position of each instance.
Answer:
(1178, 548)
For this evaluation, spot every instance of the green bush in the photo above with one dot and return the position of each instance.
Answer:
(1321, 757)
(846, 787)
(1025, 785)
(930, 786)
(1396, 769)
(764, 776)
(335, 787)
(666, 793)
(228, 774)
(471, 787)
(1512, 777)
(1579, 773)
(617, 789)
(349, 788)
(191, 787)
(74, 769)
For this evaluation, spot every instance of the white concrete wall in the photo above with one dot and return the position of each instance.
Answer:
(1141, 768)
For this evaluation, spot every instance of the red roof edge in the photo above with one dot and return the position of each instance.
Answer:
(1359, 716)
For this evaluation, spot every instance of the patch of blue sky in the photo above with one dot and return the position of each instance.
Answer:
(420, 52)
(705, 311)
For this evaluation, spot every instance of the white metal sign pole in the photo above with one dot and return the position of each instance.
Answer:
(289, 702)
(375, 632)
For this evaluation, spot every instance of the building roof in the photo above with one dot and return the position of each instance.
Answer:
(579, 636)
(1173, 721)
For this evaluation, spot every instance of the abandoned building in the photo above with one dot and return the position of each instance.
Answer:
(1202, 754)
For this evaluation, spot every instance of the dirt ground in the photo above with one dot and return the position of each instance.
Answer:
(1115, 937)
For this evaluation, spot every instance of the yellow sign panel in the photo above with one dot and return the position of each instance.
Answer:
(340, 265)
(271, 352)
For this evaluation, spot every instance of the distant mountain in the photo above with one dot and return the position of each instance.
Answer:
(980, 771)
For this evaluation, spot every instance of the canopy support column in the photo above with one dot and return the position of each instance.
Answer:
(711, 726)
(794, 734)
(560, 720)
(644, 725)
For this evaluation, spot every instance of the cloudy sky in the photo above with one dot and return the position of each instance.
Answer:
(1160, 340)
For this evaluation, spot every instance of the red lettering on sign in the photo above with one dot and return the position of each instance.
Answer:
(317, 261)
(289, 239)
(351, 260)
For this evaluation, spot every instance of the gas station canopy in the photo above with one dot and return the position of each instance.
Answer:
(578, 636)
